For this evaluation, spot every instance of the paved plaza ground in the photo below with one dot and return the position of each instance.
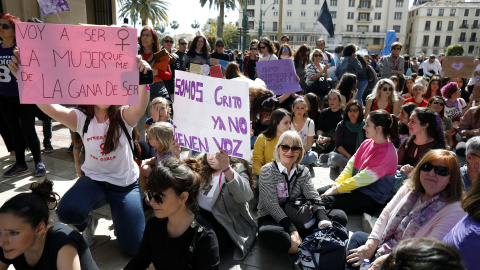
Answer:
(61, 170)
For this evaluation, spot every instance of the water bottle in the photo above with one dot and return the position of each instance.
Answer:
(365, 265)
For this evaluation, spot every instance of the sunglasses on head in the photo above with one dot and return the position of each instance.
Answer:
(353, 110)
(157, 197)
(285, 49)
(5, 26)
(438, 103)
(286, 148)
(317, 55)
(385, 89)
(439, 170)
(183, 43)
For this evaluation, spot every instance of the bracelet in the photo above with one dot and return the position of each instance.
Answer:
(227, 169)
(77, 147)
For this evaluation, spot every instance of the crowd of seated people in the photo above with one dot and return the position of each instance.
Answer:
(393, 160)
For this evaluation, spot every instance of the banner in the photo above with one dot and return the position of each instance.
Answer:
(50, 7)
(458, 66)
(212, 113)
(279, 76)
(72, 64)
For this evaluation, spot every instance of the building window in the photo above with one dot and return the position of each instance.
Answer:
(350, 15)
(477, 12)
(351, 3)
(448, 41)
(425, 41)
(416, 13)
(452, 12)
(273, 38)
(263, 2)
(290, 38)
(475, 24)
(263, 25)
(378, 3)
(251, 12)
(331, 40)
(397, 16)
(376, 28)
(289, 3)
(436, 41)
(439, 26)
(349, 28)
(450, 26)
(411, 27)
(289, 27)
(334, 14)
(304, 2)
(333, 3)
(251, 2)
(316, 14)
(361, 41)
(275, 26)
(317, 2)
(275, 2)
(303, 13)
(377, 41)
(399, 3)
(363, 16)
(378, 16)
(302, 26)
(465, 13)
(470, 49)
(365, 4)
(362, 28)
(289, 13)
(473, 37)
(251, 25)
(427, 25)
(396, 28)
(464, 24)
(462, 37)
(275, 14)
(440, 12)
(334, 26)
(429, 12)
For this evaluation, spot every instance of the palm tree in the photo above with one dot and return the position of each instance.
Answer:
(174, 25)
(221, 5)
(195, 25)
(160, 30)
(145, 10)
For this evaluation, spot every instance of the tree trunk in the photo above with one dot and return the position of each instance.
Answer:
(144, 22)
(221, 19)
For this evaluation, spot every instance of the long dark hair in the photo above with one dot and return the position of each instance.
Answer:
(408, 108)
(269, 44)
(232, 71)
(428, 93)
(207, 171)
(314, 101)
(434, 129)
(347, 107)
(405, 88)
(156, 45)
(346, 85)
(297, 59)
(33, 207)
(388, 122)
(205, 49)
(114, 128)
(275, 119)
(435, 98)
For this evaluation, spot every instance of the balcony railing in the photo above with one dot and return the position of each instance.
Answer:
(425, 44)
(450, 29)
(364, 7)
(464, 26)
(436, 44)
(439, 29)
(427, 28)
(475, 26)
(364, 19)
(462, 39)
(472, 39)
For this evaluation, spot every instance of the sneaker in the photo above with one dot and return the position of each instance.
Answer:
(89, 232)
(70, 148)
(14, 170)
(28, 158)
(47, 148)
(40, 169)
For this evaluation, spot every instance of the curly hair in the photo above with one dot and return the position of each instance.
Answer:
(347, 84)
(376, 91)
(205, 49)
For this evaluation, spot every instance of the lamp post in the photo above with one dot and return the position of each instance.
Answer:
(260, 29)
(244, 26)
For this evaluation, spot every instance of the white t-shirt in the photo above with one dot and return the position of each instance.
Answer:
(205, 200)
(268, 57)
(453, 112)
(307, 130)
(118, 167)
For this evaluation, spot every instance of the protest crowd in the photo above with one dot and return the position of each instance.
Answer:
(395, 129)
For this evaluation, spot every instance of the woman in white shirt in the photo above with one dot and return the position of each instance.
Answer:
(267, 50)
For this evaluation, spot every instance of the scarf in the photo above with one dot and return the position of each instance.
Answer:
(356, 128)
(408, 220)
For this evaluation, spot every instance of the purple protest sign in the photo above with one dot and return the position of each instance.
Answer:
(279, 76)
(50, 7)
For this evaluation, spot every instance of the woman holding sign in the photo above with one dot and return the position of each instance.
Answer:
(198, 53)
(110, 172)
(20, 118)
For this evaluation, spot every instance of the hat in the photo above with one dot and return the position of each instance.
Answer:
(449, 89)
(432, 56)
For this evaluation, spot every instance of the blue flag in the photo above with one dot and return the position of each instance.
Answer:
(390, 38)
(325, 18)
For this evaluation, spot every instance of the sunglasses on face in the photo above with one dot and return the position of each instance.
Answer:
(317, 55)
(183, 43)
(396, 48)
(439, 170)
(353, 110)
(5, 26)
(261, 48)
(220, 45)
(385, 89)
(157, 197)
(253, 49)
(286, 148)
(438, 103)
(285, 49)
(169, 41)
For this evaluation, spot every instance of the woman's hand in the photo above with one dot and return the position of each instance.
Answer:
(406, 169)
(330, 192)
(14, 62)
(223, 160)
(175, 148)
(298, 79)
(377, 264)
(327, 66)
(296, 240)
(356, 256)
(355, 92)
(142, 65)
(322, 139)
(156, 112)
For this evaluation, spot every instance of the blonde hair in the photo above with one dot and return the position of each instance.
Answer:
(316, 51)
(163, 101)
(289, 136)
(377, 90)
(163, 133)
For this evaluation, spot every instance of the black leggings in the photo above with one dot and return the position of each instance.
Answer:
(20, 120)
(354, 202)
(223, 238)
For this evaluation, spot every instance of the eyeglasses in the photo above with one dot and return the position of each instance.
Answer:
(159, 198)
(285, 50)
(5, 26)
(286, 148)
(317, 55)
(438, 103)
(439, 170)
(253, 49)
(261, 48)
(353, 110)
(183, 43)
(220, 45)
(397, 48)
(385, 89)
(168, 41)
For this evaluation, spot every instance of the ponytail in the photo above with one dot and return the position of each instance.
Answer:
(393, 129)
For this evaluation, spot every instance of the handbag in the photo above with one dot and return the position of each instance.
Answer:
(301, 212)
(324, 248)
(320, 87)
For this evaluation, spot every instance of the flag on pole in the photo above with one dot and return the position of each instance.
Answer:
(390, 38)
(325, 18)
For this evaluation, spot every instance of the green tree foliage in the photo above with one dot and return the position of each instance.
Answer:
(221, 5)
(210, 31)
(174, 25)
(154, 11)
(454, 50)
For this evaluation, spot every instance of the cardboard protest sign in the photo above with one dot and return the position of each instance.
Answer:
(279, 76)
(50, 7)
(214, 61)
(223, 63)
(196, 68)
(212, 113)
(216, 71)
(72, 64)
(458, 66)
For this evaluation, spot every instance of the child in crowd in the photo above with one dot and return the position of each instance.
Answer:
(417, 96)
(160, 111)
(160, 136)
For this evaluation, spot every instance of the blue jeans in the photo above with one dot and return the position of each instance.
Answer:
(358, 239)
(125, 204)
(361, 85)
(309, 158)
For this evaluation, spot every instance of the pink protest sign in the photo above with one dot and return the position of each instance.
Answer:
(72, 64)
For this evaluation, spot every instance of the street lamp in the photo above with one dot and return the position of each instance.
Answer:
(260, 29)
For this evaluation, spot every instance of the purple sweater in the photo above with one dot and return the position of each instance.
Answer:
(465, 236)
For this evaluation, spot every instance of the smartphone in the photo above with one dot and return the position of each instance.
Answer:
(146, 78)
